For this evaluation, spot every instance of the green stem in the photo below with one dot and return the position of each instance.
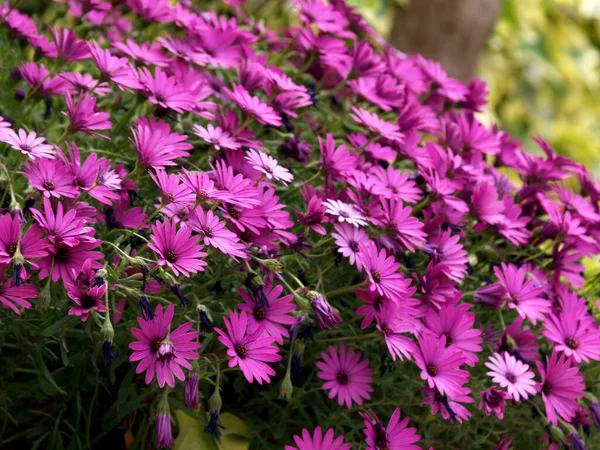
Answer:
(345, 289)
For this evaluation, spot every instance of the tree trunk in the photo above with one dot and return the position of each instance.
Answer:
(453, 32)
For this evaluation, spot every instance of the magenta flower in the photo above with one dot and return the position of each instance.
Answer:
(271, 317)
(60, 226)
(66, 45)
(445, 250)
(172, 189)
(253, 106)
(35, 75)
(215, 233)
(156, 146)
(165, 91)
(51, 177)
(85, 116)
(87, 300)
(314, 216)
(456, 324)
(494, 401)
(391, 322)
(562, 384)
(28, 144)
(512, 374)
(216, 137)
(393, 184)
(145, 53)
(450, 407)
(13, 296)
(407, 229)
(177, 249)
(318, 441)
(326, 316)
(346, 376)
(440, 364)
(250, 352)
(31, 245)
(160, 351)
(336, 161)
(81, 83)
(522, 341)
(485, 204)
(348, 238)
(375, 125)
(382, 272)
(65, 259)
(268, 166)
(574, 337)
(395, 436)
(522, 295)
(345, 212)
(114, 69)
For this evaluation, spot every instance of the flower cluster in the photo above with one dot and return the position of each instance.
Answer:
(330, 215)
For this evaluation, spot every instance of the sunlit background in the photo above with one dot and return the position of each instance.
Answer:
(542, 66)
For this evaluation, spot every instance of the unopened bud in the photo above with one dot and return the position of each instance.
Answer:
(44, 298)
(107, 331)
(557, 435)
(286, 389)
(214, 402)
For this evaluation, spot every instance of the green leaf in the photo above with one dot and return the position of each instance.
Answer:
(41, 365)
(59, 324)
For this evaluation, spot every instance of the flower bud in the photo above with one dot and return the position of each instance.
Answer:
(44, 298)
(576, 441)
(146, 308)
(102, 272)
(326, 316)
(107, 353)
(595, 412)
(491, 296)
(214, 402)
(164, 434)
(557, 435)
(206, 325)
(107, 331)
(286, 389)
(176, 289)
(190, 385)
(272, 265)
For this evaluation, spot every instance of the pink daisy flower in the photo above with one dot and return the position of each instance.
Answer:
(87, 300)
(348, 238)
(446, 251)
(377, 126)
(216, 137)
(382, 272)
(494, 401)
(391, 183)
(522, 295)
(485, 204)
(271, 317)
(346, 376)
(66, 45)
(145, 53)
(523, 345)
(81, 83)
(177, 249)
(456, 324)
(85, 116)
(407, 229)
(172, 189)
(395, 436)
(318, 441)
(28, 144)
(162, 352)
(576, 338)
(164, 91)
(562, 384)
(249, 351)
(391, 323)
(512, 374)
(440, 364)
(216, 234)
(13, 296)
(268, 166)
(31, 245)
(51, 177)
(65, 259)
(116, 70)
(253, 106)
(156, 146)
(60, 226)
(345, 212)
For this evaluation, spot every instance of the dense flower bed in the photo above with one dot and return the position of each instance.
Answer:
(282, 219)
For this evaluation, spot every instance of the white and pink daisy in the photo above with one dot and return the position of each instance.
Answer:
(268, 166)
(345, 212)
(512, 374)
(216, 137)
(28, 144)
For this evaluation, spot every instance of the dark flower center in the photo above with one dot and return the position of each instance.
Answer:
(386, 330)
(382, 443)
(88, 302)
(12, 249)
(376, 276)
(260, 313)
(514, 299)
(431, 370)
(394, 226)
(547, 388)
(155, 345)
(171, 256)
(511, 377)
(170, 197)
(160, 98)
(378, 303)
(48, 185)
(342, 377)
(353, 246)
(449, 339)
(203, 194)
(62, 255)
(207, 232)
(572, 343)
(25, 147)
(234, 213)
(241, 350)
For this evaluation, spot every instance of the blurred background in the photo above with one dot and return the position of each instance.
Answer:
(540, 58)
